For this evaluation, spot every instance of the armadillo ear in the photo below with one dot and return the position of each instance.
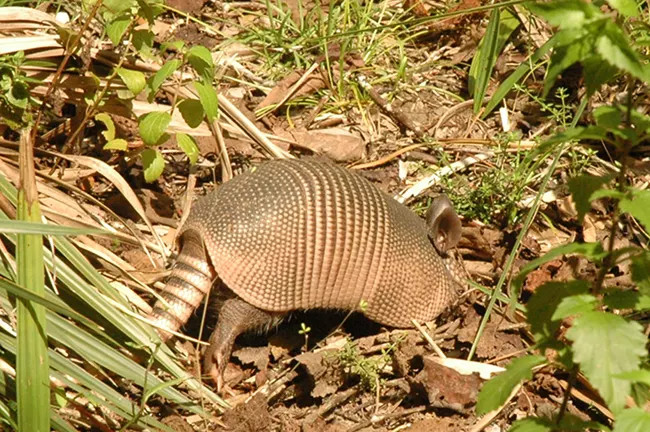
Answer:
(443, 223)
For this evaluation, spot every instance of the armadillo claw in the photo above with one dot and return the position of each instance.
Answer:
(215, 361)
(217, 377)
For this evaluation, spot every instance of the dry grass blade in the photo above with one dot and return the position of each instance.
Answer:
(122, 185)
(14, 14)
(431, 180)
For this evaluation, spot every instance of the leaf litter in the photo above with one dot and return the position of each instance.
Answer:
(300, 384)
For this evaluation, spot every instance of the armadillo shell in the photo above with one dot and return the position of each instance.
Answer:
(304, 234)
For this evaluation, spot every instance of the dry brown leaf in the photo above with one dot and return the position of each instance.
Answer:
(446, 388)
(337, 144)
(312, 83)
(118, 181)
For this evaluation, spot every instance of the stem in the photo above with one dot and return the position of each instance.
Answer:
(565, 400)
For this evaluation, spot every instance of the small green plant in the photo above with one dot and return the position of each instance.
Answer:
(120, 18)
(304, 331)
(495, 196)
(605, 343)
(368, 370)
(15, 100)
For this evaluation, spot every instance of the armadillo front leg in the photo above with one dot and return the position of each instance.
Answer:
(235, 317)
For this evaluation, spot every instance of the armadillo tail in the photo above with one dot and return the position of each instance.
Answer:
(189, 282)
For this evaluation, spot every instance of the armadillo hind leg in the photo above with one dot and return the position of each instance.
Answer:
(190, 280)
(235, 317)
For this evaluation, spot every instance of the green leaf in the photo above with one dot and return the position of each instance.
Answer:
(19, 95)
(495, 392)
(566, 13)
(607, 193)
(187, 144)
(569, 423)
(209, 101)
(192, 112)
(614, 48)
(152, 127)
(632, 420)
(532, 424)
(582, 189)
(641, 376)
(575, 305)
(485, 59)
(142, 40)
(592, 251)
(153, 164)
(163, 73)
(201, 60)
(134, 80)
(150, 9)
(596, 72)
(175, 45)
(541, 310)
(608, 116)
(637, 206)
(26, 227)
(629, 8)
(117, 144)
(109, 133)
(118, 6)
(574, 45)
(641, 272)
(617, 299)
(116, 28)
(605, 345)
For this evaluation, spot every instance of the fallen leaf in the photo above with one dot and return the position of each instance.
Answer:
(337, 144)
(446, 388)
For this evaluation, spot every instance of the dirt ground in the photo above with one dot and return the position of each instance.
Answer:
(327, 371)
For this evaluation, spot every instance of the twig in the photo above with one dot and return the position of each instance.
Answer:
(386, 106)
(336, 400)
(434, 178)
(388, 158)
(379, 419)
(429, 339)
(487, 418)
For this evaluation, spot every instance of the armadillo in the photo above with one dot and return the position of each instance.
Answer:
(302, 234)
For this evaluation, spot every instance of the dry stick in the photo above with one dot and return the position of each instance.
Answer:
(294, 88)
(378, 419)
(314, 112)
(431, 180)
(388, 158)
(187, 202)
(586, 399)
(247, 126)
(450, 112)
(487, 418)
(385, 106)
(59, 71)
(429, 339)
(230, 111)
(222, 151)
(336, 400)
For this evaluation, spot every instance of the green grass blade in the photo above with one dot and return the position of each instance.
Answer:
(53, 304)
(517, 75)
(74, 274)
(24, 227)
(32, 365)
(486, 58)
